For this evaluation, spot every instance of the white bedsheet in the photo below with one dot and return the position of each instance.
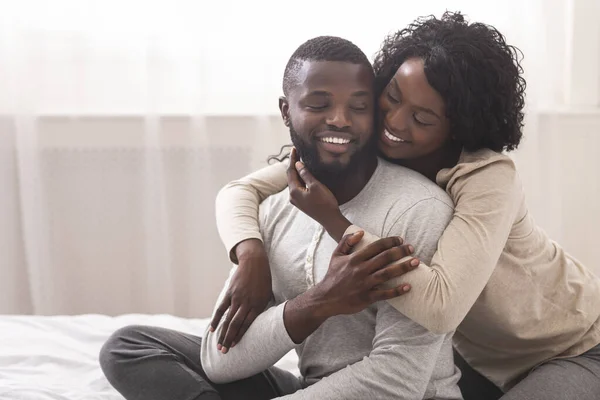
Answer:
(56, 358)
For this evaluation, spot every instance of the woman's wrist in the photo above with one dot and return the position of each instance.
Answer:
(249, 249)
(336, 225)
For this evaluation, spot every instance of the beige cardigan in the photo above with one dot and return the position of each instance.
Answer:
(514, 297)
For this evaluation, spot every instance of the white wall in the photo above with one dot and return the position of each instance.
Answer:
(227, 57)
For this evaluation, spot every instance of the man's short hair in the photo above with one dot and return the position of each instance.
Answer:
(322, 48)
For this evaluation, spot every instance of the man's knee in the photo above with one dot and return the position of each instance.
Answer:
(118, 349)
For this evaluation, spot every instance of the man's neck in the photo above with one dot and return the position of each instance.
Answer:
(354, 180)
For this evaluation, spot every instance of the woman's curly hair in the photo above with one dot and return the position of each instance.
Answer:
(471, 66)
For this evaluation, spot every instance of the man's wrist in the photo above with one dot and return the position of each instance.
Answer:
(304, 314)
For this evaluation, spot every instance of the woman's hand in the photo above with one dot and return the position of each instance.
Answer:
(314, 199)
(248, 294)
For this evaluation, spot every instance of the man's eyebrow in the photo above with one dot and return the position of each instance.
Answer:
(319, 93)
(360, 93)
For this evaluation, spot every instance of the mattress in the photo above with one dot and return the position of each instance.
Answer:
(56, 358)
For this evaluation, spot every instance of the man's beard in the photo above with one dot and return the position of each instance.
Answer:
(332, 173)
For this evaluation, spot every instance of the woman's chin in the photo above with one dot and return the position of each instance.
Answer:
(391, 153)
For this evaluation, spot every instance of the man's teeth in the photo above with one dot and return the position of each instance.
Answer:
(335, 140)
(392, 137)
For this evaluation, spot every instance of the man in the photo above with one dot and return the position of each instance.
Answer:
(348, 348)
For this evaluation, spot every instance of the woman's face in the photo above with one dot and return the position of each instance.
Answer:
(414, 115)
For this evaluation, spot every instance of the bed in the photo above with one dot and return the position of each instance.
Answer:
(56, 358)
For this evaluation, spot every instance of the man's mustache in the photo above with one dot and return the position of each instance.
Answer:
(331, 128)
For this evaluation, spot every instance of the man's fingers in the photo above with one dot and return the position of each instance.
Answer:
(377, 247)
(225, 303)
(386, 294)
(390, 256)
(247, 322)
(234, 327)
(345, 245)
(393, 270)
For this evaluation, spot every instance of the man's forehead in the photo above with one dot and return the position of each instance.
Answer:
(314, 75)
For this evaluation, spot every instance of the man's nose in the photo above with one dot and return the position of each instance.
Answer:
(338, 117)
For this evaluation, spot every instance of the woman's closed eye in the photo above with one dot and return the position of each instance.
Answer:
(419, 120)
(391, 98)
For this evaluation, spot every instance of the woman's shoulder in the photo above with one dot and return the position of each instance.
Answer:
(483, 157)
(484, 168)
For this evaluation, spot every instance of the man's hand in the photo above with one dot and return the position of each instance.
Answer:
(352, 280)
(352, 283)
(247, 296)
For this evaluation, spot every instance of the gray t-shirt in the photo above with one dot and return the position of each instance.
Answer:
(376, 353)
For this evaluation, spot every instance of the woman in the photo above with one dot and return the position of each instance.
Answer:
(526, 314)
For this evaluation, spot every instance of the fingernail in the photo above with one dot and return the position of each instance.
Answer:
(212, 329)
(414, 262)
(233, 345)
(401, 240)
(219, 347)
(405, 288)
(299, 165)
(224, 351)
(411, 248)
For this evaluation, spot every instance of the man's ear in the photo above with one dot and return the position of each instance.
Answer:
(284, 108)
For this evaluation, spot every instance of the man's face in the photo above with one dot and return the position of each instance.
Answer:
(330, 113)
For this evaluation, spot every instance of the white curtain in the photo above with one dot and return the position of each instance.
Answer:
(112, 150)
(120, 120)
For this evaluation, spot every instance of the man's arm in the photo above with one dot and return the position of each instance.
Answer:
(265, 343)
(400, 365)
(350, 285)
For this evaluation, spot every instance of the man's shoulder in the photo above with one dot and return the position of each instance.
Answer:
(416, 208)
(276, 210)
(275, 203)
(407, 185)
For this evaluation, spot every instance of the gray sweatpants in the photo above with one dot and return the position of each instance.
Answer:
(151, 363)
(575, 378)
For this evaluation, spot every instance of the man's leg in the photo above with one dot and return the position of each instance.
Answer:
(473, 385)
(152, 363)
(569, 378)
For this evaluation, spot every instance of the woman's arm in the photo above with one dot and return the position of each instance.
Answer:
(237, 205)
(486, 205)
(249, 290)
(441, 294)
